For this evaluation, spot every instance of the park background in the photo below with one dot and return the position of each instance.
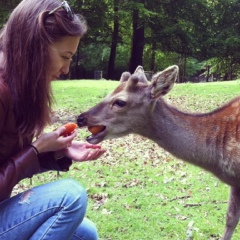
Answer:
(137, 190)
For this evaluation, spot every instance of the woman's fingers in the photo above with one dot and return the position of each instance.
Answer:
(93, 155)
(60, 130)
(93, 146)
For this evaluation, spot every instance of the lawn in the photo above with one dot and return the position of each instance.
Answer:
(137, 190)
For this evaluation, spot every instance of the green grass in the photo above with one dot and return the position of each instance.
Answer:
(80, 95)
(137, 190)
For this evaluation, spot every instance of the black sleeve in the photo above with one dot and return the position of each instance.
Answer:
(48, 162)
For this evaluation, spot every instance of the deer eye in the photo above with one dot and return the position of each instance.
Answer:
(120, 103)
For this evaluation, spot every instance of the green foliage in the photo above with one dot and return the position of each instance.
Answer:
(93, 52)
(5, 9)
(196, 29)
(193, 66)
(225, 68)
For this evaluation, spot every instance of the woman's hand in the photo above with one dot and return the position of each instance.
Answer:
(53, 141)
(64, 146)
(80, 152)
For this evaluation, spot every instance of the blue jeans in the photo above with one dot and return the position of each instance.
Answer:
(54, 211)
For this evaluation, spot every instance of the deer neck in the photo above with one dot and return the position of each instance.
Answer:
(210, 141)
(180, 133)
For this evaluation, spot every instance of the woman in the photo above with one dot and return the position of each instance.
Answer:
(36, 47)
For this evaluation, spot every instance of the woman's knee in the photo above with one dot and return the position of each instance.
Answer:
(72, 186)
(72, 190)
(86, 230)
(73, 196)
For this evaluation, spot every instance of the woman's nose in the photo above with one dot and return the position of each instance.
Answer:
(65, 68)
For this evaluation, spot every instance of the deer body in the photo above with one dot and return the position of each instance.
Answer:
(210, 141)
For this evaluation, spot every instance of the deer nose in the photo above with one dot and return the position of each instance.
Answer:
(81, 121)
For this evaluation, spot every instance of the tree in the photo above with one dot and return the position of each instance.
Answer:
(6, 8)
(115, 35)
(138, 41)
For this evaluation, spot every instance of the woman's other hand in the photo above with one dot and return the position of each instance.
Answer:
(80, 152)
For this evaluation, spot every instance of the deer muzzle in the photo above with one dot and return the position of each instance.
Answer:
(81, 121)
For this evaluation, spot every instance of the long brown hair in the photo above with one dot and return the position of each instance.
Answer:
(24, 42)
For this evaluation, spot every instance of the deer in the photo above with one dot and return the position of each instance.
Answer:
(209, 140)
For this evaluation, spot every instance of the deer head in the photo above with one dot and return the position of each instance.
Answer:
(114, 116)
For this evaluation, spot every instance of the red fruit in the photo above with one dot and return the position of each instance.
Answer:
(95, 129)
(70, 127)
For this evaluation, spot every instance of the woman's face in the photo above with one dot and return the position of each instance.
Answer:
(61, 53)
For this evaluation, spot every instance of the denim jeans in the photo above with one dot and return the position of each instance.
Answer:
(54, 211)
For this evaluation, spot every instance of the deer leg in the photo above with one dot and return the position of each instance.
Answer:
(233, 213)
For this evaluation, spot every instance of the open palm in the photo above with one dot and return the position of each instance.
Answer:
(80, 152)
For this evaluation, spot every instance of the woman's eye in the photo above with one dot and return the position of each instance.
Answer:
(67, 58)
(120, 103)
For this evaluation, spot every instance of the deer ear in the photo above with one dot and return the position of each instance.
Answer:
(132, 81)
(125, 76)
(139, 69)
(142, 77)
(162, 82)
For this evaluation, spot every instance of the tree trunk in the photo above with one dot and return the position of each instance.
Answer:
(153, 56)
(111, 63)
(137, 42)
(76, 63)
(184, 68)
(208, 73)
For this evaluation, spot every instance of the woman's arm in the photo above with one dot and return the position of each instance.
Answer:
(48, 161)
(22, 165)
